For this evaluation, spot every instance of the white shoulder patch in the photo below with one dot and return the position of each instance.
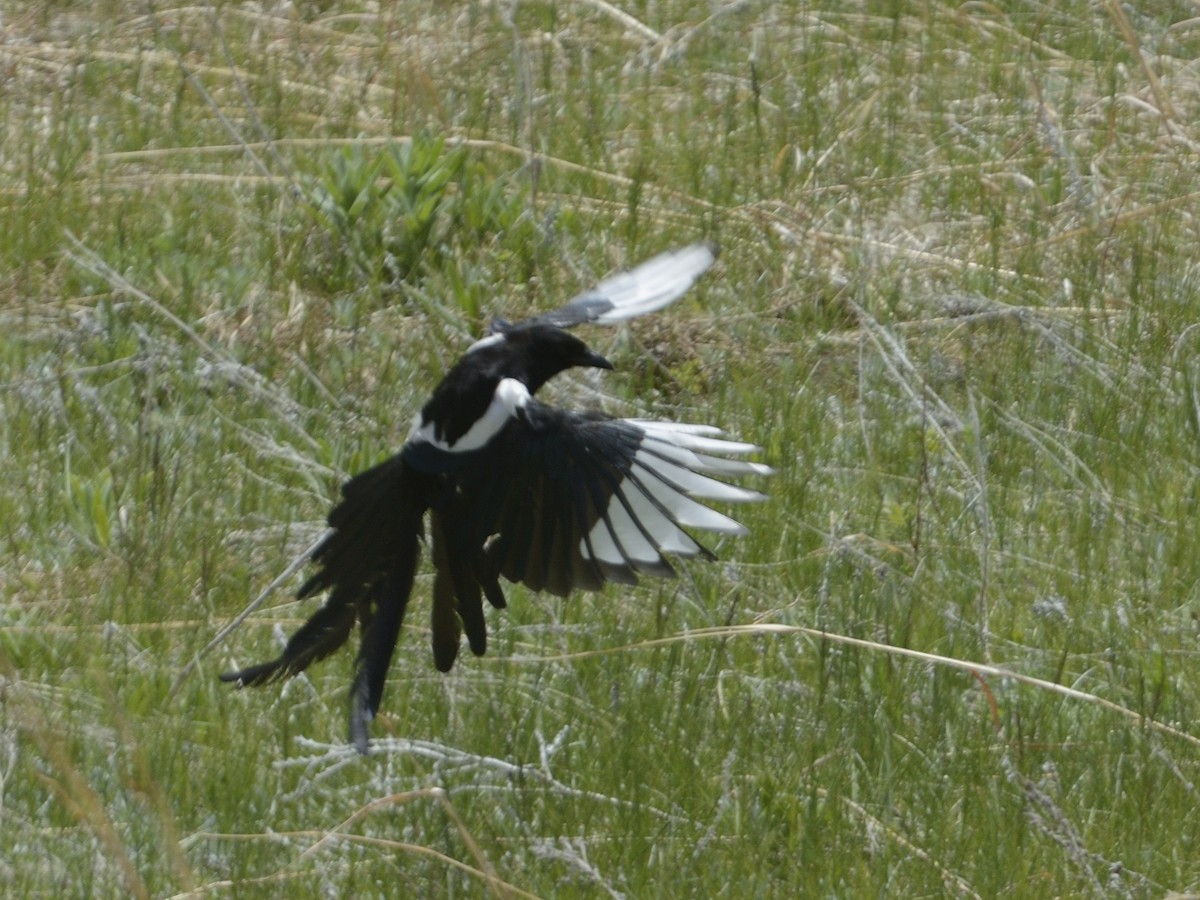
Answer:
(510, 396)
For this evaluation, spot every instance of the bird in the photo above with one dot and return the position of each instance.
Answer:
(514, 488)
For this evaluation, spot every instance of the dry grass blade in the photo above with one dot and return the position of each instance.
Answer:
(236, 622)
(975, 668)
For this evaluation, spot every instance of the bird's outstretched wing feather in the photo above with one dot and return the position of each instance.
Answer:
(572, 501)
(643, 289)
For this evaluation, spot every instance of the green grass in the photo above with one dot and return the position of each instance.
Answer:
(956, 306)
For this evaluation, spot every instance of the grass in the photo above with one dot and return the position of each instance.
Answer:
(956, 305)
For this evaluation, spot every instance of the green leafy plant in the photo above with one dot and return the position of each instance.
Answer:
(393, 215)
(92, 504)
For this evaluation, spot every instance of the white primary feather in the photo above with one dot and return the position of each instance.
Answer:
(652, 285)
(702, 462)
(696, 437)
(693, 484)
(680, 441)
(642, 527)
(621, 539)
(656, 497)
(683, 509)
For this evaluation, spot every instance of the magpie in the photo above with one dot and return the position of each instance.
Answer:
(546, 497)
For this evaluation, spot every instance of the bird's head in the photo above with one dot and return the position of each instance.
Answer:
(540, 352)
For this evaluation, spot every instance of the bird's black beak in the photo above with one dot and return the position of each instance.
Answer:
(593, 360)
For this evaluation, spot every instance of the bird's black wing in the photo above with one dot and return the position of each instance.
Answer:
(569, 500)
(643, 289)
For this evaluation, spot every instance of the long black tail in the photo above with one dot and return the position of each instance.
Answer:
(367, 563)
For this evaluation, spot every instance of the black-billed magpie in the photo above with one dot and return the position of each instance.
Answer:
(553, 499)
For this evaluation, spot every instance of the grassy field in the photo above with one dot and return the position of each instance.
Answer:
(956, 305)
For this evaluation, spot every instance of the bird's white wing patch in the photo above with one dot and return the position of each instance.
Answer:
(689, 446)
(653, 284)
(659, 494)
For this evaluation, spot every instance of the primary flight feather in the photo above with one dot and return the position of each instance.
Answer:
(552, 499)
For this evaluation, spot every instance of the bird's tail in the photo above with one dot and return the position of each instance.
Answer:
(367, 564)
